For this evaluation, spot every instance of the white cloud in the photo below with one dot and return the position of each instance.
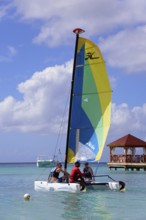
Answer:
(128, 121)
(123, 21)
(44, 100)
(60, 17)
(126, 49)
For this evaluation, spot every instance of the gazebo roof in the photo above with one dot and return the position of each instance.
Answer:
(128, 141)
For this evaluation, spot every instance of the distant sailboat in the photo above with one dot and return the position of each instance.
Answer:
(89, 114)
(44, 161)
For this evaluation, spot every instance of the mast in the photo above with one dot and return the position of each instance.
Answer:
(77, 31)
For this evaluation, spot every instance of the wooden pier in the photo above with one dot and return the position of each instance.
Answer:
(129, 160)
(127, 166)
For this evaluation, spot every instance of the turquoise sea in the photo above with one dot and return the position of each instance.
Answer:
(17, 179)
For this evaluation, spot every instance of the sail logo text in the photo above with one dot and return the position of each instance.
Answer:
(90, 56)
(90, 145)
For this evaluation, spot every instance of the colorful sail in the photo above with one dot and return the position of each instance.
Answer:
(91, 104)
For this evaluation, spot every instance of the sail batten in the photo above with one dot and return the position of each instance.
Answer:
(93, 93)
(90, 64)
(91, 104)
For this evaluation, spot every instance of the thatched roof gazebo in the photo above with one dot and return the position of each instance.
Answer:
(129, 158)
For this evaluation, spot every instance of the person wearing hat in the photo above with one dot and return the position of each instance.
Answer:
(76, 176)
(88, 173)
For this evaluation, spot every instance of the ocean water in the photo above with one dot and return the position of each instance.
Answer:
(18, 179)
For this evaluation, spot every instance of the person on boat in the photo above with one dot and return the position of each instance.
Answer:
(76, 176)
(88, 173)
(54, 174)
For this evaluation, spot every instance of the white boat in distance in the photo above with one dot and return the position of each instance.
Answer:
(89, 116)
(44, 161)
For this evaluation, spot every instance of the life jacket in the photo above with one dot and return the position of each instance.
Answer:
(87, 173)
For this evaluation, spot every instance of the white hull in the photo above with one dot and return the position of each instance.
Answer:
(75, 187)
(44, 186)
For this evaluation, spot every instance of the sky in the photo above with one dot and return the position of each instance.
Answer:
(36, 59)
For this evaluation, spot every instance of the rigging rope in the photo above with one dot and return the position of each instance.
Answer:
(61, 125)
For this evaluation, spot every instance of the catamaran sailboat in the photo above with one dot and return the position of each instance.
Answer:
(89, 115)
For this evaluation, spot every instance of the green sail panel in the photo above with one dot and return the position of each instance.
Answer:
(91, 104)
